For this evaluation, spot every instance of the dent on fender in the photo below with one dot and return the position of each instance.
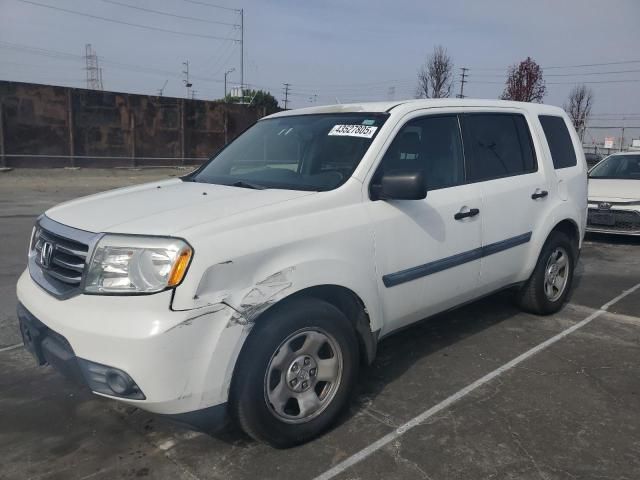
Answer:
(231, 283)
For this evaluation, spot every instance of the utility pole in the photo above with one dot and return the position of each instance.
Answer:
(186, 81)
(2, 159)
(161, 90)
(225, 80)
(242, 54)
(391, 93)
(622, 136)
(463, 80)
(193, 94)
(286, 94)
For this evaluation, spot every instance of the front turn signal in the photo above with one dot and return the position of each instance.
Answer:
(180, 267)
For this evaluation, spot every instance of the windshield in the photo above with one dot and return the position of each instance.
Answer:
(302, 152)
(623, 167)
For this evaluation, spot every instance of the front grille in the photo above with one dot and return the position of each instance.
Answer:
(67, 258)
(625, 221)
(58, 257)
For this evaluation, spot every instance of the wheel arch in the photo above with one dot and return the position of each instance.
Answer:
(553, 223)
(349, 303)
(570, 228)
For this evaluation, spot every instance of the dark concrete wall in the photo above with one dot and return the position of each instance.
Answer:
(44, 121)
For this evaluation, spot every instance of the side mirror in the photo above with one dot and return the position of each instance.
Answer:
(402, 185)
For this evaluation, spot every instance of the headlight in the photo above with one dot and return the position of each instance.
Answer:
(128, 264)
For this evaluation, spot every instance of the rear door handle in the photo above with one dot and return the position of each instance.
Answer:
(472, 212)
(539, 194)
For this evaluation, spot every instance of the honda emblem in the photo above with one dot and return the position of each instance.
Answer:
(45, 254)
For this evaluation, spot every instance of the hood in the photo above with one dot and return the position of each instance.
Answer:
(164, 208)
(606, 189)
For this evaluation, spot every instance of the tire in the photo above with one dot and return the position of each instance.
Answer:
(536, 296)
(304, 340)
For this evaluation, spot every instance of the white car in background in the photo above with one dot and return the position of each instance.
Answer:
(614, 195)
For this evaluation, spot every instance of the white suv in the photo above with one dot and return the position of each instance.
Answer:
(257, 285)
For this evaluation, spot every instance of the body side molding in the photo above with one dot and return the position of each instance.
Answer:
(413, 273)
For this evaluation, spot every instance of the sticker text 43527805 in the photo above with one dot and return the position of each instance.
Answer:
(362, 131)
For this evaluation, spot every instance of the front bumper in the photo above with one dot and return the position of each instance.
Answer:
(47, 346)
(182, 361)
(616, 219)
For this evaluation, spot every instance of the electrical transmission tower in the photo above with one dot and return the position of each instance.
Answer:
(94, 71)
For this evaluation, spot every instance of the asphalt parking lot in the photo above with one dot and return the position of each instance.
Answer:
(567, 410)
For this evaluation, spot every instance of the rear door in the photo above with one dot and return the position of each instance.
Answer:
(568, 162)
(501, 160)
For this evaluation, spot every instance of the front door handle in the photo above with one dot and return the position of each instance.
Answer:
(472, 212)
(539, 194)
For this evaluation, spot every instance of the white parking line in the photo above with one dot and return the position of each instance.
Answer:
(11, 347)
(414, 422)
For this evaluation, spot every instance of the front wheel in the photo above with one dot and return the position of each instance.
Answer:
(548, 287)
(295, 373)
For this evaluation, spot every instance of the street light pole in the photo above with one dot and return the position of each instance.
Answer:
(225, 80)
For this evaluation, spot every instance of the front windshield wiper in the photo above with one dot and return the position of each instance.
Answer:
(243, 184)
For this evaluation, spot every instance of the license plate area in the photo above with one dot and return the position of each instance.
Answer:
(32, 338)
(602, 219)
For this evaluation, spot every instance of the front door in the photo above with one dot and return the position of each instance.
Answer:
(427, 251)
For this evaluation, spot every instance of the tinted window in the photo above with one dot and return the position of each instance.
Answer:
(431, 144)
(497, 145)
(559, 140)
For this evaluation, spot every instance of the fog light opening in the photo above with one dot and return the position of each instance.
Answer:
(108, 380)
(118, 382)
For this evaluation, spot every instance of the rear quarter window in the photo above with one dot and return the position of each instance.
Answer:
(559, 141)
(497, 145)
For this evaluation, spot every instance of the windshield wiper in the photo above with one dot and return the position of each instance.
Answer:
(243, 184)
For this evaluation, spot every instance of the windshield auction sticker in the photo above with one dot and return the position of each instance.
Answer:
(362, 131)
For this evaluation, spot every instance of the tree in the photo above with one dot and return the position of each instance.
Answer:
(258, 99)
(579, 106)
(435, 77)
(525, 82)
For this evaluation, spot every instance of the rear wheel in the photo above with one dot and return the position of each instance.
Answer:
(548, 287)
(296, 372)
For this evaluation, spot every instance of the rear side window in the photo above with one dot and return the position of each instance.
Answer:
(559, 140)
(497, 145)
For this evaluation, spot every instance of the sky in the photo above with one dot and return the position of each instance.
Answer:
(331, 51)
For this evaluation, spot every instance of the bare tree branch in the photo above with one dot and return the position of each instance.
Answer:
(435, 77)
(524, 82)
(579, 106)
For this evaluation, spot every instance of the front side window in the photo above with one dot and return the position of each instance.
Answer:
(316, 152)
(497, 145)
(431, 145)
(620, 167)
(559, 141)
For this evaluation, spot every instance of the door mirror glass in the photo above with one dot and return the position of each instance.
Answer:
(402, 185)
